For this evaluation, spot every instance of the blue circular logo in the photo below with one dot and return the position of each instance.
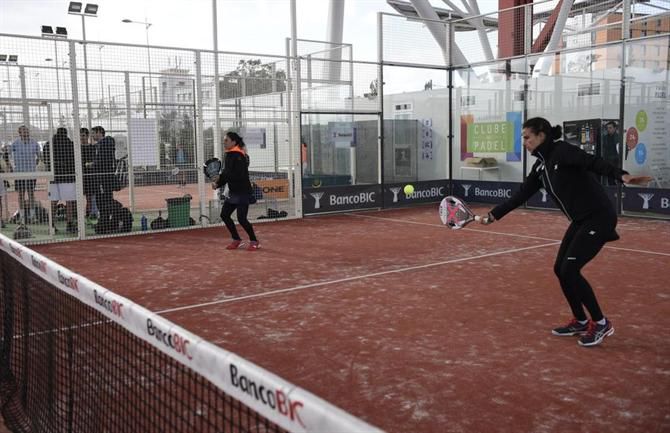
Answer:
(640, 153)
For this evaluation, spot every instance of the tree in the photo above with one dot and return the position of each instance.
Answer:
(251, 77)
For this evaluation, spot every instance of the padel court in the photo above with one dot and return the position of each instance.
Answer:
(414, 327)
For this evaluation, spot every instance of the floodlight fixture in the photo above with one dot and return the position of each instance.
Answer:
(74, 8)
(91, 9)
(47, 30)
(61, 31)
(13, 58)
(3, 57)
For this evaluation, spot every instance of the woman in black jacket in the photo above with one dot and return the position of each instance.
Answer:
(63, 185)
(569, 175)
(236, 175)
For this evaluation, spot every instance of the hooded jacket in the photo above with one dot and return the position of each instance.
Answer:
(235, 172)
(569, 175)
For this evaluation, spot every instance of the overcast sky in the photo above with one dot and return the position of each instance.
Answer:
(244, 25)
(251, 26)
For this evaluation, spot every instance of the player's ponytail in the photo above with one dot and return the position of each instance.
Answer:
(540, 124)
(234, 137)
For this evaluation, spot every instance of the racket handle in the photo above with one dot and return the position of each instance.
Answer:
(478, 218)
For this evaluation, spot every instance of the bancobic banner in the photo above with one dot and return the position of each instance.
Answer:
(485, 192)
(651, 200)
(432, 191)
(341, 198)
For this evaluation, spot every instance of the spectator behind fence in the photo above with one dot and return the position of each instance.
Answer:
(63, 187)
(25, 154)
(103, 166)
(610, 149)
(4, 168)
(180, 162)
(87, 157)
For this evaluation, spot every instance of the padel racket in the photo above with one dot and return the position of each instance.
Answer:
(212, 168)
(175, 171)
(455, 214)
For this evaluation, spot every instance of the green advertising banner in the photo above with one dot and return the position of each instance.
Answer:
(491, 137)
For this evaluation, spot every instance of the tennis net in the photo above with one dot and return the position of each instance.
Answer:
(75, 357)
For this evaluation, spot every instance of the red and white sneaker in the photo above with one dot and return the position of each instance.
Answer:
(234, 245)
(253, 246)
(595, 334)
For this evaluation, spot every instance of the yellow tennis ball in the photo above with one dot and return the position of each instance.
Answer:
(409, 189)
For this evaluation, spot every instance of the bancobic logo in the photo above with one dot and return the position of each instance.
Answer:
(275, 399)
(664, 202)
(70, 282)
(173, 341)
(494, 193)
(646, 198)
(436, 191)
(16, 251)
(395, 192)
(39, 264)
(113, 307)
(361, 198)
(317, 199)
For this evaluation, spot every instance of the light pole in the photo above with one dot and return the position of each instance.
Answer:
(61, 32)
(8, 59)
(49, 59)
(102, 86)
(37, 81)
(91, 10)
(146, 25)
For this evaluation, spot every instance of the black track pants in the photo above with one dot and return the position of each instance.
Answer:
(242, 210)
(581, 243)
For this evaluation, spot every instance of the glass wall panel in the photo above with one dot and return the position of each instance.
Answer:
(488, 106)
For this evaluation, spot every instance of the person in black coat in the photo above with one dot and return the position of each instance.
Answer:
(236, 175)
(610, 148)
(104, 165)
(569, 175)
(90, 185)
(63, 187)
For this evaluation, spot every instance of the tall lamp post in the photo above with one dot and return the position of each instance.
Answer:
(146, 31)
(8, 59)
(61, 33)
(91, 10)
(49, 59)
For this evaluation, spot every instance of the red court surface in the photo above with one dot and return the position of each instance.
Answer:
(414, 327)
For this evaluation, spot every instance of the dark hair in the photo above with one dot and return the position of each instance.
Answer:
(234, 136)
(99, 129)
(540, 124)
(83, 131)
(61, 131)
(611, 122)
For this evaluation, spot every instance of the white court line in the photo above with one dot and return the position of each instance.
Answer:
(344, 280)
(502, 233)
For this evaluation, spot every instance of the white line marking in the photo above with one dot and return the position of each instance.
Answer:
(344, 280)
(440, 225)
(502, 233)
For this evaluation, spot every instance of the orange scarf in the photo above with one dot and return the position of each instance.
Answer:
(237, 149)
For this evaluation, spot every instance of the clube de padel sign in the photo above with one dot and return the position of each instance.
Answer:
(341, 198)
